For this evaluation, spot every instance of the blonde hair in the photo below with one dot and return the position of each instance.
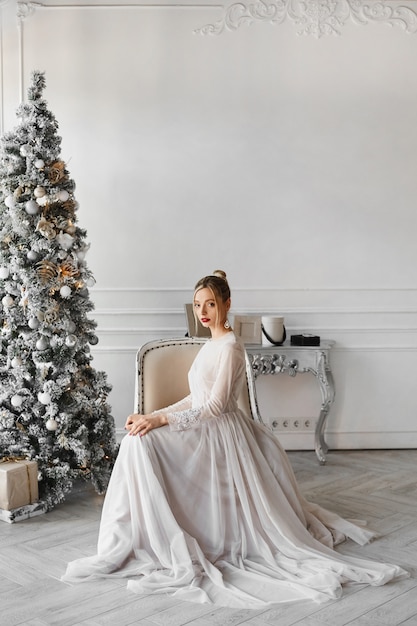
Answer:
(218, 285)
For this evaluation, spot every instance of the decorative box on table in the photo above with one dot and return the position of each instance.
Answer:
(19, 492)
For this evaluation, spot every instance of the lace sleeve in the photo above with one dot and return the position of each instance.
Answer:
(183, 420)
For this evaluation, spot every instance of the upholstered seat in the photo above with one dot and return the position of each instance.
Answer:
(161, 376)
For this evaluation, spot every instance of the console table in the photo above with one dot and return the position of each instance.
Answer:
(300, 359)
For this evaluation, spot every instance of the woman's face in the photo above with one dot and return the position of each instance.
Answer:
(211, 314)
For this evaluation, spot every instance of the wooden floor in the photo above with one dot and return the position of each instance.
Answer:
(380, 486)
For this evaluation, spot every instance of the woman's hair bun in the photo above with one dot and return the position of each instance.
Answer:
(220, 274)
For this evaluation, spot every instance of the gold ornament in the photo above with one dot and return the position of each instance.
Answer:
(56, 172)
(46, 228)
(67, 270)
(70, 227)
(69, 206)
(51, 315)
(47, 271)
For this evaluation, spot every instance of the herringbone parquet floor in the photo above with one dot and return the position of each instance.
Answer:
(380, 486)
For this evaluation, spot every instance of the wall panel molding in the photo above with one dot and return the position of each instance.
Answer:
(26, 9)
(2, 5)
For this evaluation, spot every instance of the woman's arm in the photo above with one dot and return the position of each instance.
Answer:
(228, 379)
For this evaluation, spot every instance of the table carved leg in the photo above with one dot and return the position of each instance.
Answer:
(324, 377)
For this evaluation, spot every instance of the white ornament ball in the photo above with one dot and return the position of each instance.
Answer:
(90, 282)
(81, 255)
(44, 397)
(51, 424)
(32, 255)
(8, 301)
(70, 341)
(24, 150)
(33, 323)
(32, 207)
(65, 291)
(62, 195)
(39, 164)
(42, 343)
(16, 400)
(9, 201)
(39, 192)
(16, 361)
(42, 201)
(4, 272)
(65, 240)
(71, 326)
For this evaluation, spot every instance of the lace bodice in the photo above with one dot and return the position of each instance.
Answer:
(215, 381)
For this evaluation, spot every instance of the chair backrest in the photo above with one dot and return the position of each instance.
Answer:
(162, 376)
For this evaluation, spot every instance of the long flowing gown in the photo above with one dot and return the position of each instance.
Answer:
(208, 508)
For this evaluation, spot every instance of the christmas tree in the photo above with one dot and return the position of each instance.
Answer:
(53, 403)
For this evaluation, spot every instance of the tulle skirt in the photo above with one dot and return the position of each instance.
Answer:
(214, 514)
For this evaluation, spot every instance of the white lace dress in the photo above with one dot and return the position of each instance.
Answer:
(208, 508)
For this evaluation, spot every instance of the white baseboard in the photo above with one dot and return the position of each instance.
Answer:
(339, 441)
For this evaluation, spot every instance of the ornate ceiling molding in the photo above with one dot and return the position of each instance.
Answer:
(313, 17)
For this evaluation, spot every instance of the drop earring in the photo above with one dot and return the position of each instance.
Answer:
(226, 324)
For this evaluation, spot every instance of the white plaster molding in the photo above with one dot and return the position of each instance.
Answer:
(25, 9)
(2, 4)
(313, 17)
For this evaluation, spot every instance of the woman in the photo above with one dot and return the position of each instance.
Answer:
(203, 502)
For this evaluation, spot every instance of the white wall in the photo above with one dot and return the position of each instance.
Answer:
(288, 161)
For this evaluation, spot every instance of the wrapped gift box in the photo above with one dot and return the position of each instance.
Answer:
(18, 483)
(23, 512)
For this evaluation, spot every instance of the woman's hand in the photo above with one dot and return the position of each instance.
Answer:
(138, 424)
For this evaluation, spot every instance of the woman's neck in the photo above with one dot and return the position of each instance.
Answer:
(216, 333)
